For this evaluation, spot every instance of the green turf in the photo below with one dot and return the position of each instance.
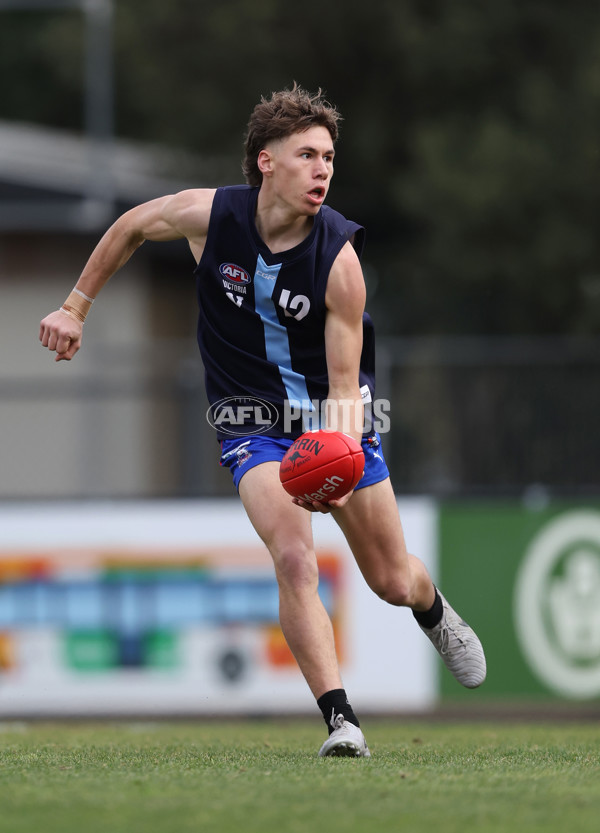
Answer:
(265, 776)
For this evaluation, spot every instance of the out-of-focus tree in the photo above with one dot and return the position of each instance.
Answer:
(469, 147)
(503, 183)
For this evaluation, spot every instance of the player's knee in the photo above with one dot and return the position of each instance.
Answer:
(393, 591)
(296, 567)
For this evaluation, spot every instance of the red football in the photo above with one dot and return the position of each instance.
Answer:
(322, 465)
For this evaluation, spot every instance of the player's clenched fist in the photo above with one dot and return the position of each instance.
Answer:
(61, 330)
(61, 333)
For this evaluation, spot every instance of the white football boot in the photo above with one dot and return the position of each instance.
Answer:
(458, 646)
(346, 740)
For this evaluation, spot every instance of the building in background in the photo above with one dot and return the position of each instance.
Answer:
(112, 422)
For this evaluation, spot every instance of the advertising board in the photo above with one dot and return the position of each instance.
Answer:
(172, 607)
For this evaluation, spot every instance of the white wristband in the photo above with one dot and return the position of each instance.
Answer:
(83, 295)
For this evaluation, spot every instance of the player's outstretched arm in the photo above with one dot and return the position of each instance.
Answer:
(167, 218)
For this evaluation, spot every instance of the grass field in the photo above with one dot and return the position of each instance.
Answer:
(265, 776)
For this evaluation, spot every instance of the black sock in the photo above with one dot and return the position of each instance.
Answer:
(432, 617)
(336, 702)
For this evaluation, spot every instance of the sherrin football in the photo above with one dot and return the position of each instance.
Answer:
(322, 465)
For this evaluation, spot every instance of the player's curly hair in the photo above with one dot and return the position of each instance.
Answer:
(286, 112)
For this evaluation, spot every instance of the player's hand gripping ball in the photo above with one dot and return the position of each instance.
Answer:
(322, 465)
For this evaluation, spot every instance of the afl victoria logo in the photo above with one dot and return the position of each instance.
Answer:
(234, 273)
(557, 604)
